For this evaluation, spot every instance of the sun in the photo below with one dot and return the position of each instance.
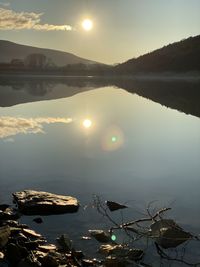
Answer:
(87, 24)
(87, 123)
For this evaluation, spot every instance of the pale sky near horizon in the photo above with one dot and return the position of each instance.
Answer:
(122, 29)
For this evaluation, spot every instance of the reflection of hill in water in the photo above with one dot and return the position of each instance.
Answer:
(181, 95)
(22, 90)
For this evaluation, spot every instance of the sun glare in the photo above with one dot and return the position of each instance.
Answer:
(87, 123)
(87, 24)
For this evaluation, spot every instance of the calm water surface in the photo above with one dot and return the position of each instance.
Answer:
(135, 151)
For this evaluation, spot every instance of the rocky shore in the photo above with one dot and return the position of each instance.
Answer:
(21, 246)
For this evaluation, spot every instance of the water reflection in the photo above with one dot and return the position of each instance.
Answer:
(87, 123)
(135, 149)
(177, 94)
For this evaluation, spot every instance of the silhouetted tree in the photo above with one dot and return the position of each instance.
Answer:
(34, 61)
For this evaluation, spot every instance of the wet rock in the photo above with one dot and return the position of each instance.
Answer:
(21, 237)
(31, 245)
(106, 249)
(47, 248)
(100, 235)
(87, 262)
(4, 207)
(49, 261)
(85, 238)
(117, 250)
(12, 223)
(15, 231)
(31, 233)
(121, 252)
(1, 255)
(115, 206)
(36, 202)
(168, 234)
(65, 243)
(15, 253)
(114, 262)
(4, 235)
(135, 254)
(28, 263)
(39, 254)
(78, 254)
(97, 262)
(24, 226)
(9, 214)
(38, 220)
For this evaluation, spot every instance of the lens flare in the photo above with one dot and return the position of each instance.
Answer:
(113, 237)
(113, 139)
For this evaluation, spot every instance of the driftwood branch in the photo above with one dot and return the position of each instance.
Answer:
(142, 220)
(141, 228)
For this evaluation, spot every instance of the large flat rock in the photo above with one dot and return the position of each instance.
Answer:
(43, 203)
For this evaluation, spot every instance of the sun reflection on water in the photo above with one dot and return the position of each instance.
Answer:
(87, 123)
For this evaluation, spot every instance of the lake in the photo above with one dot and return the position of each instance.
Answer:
(140, 147)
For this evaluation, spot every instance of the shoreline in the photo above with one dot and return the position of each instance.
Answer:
(20, 246)
(143, 76)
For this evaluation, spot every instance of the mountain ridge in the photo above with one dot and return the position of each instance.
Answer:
(179, 56)
(11, 50)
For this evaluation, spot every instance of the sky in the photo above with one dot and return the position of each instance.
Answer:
(122, 29)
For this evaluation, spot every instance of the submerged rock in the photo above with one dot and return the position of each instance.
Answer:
(43, 203)
(120, 251)
(38, 220)
(100, 235)
(168, 234)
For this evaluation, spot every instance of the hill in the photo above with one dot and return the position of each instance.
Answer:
(183, 56)
(10, 51)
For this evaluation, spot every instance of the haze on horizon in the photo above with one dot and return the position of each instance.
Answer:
(121, 29)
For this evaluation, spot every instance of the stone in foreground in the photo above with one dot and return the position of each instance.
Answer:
(43, 203)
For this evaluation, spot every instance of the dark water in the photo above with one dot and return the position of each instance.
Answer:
(135, 151)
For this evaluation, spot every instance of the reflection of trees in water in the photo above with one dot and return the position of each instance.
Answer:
(39, 89)
(181, 95)
(33, 87)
